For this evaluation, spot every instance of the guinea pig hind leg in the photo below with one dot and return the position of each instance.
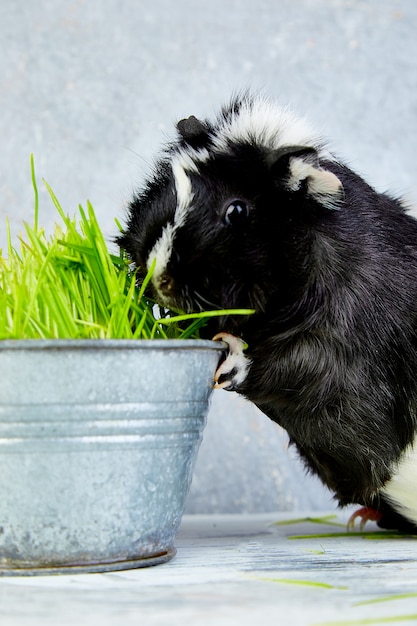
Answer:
(234, 369)
(365, 514)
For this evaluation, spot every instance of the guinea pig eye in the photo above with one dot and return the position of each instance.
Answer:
(236, 212)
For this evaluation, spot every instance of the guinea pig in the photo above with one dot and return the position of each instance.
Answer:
(252, 210)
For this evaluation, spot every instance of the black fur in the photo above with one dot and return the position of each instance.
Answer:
(333, 340)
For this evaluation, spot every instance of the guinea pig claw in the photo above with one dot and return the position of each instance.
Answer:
(235, 343)
(233, 370)
(221, 373)
(366, 514)
(224, 385)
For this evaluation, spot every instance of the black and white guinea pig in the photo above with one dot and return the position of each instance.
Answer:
(252, 210)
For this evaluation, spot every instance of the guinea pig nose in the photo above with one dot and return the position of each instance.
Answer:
(165, 282)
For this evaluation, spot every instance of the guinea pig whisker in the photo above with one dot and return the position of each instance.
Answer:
(201, 302)
(187, 300)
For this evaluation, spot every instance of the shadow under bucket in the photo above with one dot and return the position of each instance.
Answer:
(98, 440)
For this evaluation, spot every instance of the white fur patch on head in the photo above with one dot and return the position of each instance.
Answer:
(261, 121)
(183, 162)
(322, 184)
(401, 489)
(183, 188)
(161, 252)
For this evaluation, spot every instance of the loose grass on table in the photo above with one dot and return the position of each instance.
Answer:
(70, 286)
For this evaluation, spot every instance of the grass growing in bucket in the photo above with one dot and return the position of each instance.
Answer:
(69, 286)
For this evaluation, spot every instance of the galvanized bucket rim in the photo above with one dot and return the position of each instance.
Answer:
(112, 344)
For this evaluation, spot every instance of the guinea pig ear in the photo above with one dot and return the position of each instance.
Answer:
(193, 132)
(295, 167)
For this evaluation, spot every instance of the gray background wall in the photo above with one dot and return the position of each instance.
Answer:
(93, 87)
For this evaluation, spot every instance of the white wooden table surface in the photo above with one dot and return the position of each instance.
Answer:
(237, 569)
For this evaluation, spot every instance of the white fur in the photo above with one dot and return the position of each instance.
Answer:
(161, 252)
(183, 187)
(190, 158)
(182, 163)
(269, 125)
(401, 490)
(322, 184)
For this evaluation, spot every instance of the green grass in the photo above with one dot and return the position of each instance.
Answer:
(391, 598)
(70, 286)
(328, 520)
(367, 621)
(377, 536)
(331, 520)
(302, 583)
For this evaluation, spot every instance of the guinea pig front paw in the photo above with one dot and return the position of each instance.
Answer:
(233, 370)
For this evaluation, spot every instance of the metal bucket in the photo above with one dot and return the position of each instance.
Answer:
(98, 440)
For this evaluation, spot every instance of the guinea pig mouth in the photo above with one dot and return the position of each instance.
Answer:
(168, 294)
(184, 298)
